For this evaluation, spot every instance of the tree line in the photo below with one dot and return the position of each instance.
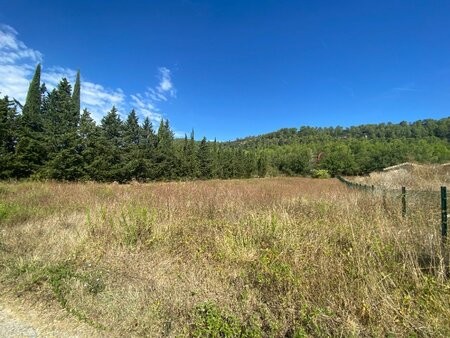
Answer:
(50, 138)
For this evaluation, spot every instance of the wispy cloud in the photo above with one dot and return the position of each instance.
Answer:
(405, 88)
(146, 102)
(400, 91)
(17, 64)
(146, 107)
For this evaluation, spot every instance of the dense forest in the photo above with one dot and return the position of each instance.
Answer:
(50, 138)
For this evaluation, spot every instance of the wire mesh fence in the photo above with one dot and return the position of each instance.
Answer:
(426, 210)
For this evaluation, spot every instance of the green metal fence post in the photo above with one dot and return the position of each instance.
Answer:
(444, 230)
(444, 213)
(403, 202)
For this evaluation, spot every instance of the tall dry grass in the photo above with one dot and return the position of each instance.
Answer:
(412, 176)
(263, 257)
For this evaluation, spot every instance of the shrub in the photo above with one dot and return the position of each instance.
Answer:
(320, 173)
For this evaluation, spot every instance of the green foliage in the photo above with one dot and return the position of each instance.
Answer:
(9, 136)
(32, 108)
(320, 173)
(210, 321)
(76, 97)
(204, 159)
(10, 212)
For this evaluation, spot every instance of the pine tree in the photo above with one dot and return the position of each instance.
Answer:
(167, 162)
(191, 156)
(147, 146)
(108, 164)
(132, 133)
(89, 134)
(8, 137)
(61, 127)
(184, 158)
(204, 159)
(135, 165)
(215, 171)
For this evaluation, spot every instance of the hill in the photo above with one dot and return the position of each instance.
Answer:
(382, 131)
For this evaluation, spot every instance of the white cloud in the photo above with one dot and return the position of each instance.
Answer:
(145, 106)
(146, 103)
(17, 64)
(13, 50)
(165, 87)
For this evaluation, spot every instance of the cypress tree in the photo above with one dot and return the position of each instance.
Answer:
(192, 162)
(32, 108)
(76, 98)
(31, 152)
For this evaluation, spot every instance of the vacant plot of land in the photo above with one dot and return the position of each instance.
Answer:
(262, 257)
(411, 176)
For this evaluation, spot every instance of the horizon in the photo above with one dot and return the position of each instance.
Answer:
(233, 70)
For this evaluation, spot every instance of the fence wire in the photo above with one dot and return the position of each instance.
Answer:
(425, 209)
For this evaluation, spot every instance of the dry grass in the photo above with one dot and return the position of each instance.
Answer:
(263, 257)
(412, 176)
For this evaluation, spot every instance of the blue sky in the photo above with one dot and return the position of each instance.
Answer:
(235, 68)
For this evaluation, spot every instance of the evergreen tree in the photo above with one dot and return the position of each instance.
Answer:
(191, 157)
(132, 132)
(184, 161)
(204, 159)
(147, 146)
(8, 137)
(89, 135)
(76, 99)
(135, 165)
(215, 172)
(108, 164)
(167, 163)
(65, 161)
(32, 109)
(31, 152)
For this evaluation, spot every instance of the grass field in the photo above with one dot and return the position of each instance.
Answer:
(412, 176)
(261, 257)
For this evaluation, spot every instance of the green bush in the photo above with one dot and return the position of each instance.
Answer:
(320, 173)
